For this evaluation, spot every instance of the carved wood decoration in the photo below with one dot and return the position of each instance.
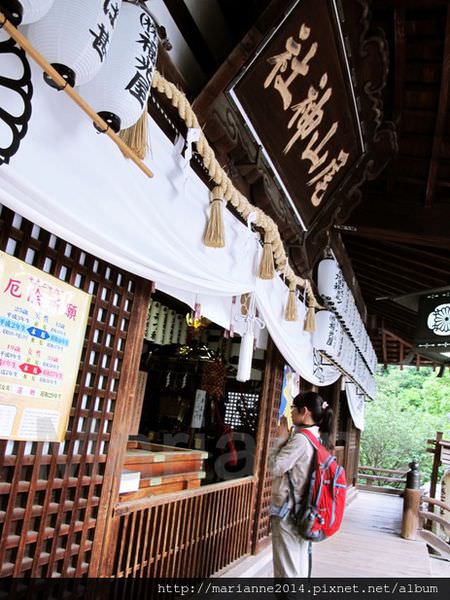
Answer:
(367, 55)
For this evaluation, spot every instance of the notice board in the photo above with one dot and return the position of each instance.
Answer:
(42, 328)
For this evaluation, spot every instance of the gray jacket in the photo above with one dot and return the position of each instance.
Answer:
(294, 455)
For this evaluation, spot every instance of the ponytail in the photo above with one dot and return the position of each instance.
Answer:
(321, 413)
(325, 427)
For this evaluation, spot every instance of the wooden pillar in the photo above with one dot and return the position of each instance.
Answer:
(436, 465)
(411, 503)
(104, 541)
(335, 399)
(411, 507)
(270, 400)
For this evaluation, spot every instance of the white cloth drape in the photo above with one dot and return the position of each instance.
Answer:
(355, 399)
(75, 183)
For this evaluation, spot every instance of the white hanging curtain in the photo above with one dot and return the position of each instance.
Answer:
(75, 183)
(356, 405)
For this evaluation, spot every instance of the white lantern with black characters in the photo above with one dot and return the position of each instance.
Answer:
(74, 36)
(119, 92)
(25, 11)
(338, 297)
(331, 341)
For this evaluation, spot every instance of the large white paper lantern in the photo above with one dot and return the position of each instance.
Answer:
(75, 35)
(119, 92)
(26, 11)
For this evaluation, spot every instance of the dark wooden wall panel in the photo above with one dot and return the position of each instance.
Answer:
(50, 493)
(273, 381)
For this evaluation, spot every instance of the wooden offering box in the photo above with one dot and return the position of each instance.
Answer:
(163, 469)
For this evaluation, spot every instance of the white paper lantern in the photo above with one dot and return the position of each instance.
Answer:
(119, 92)
(152, 320)
(162, 317)
(74, 36)
(168, 328)
(26, 11)
(183, 333)
(176, 329)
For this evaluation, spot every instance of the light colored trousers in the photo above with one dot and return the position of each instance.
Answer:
(290, 551)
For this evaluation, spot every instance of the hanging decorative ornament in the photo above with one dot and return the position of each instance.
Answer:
(120, 90)
(75, 37)
(167, 338)
(246, 356)
(251, 322)
(25, 11)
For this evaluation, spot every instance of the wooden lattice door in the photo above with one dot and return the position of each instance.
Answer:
(273, 381)
(54, 497)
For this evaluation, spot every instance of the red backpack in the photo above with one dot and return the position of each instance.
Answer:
(321, 510)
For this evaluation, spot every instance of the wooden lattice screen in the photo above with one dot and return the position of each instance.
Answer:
(54, 497)
(273, 382)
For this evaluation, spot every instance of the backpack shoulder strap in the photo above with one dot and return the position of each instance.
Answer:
(311, 437)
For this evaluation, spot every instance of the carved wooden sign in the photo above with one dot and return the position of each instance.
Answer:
(297, 99)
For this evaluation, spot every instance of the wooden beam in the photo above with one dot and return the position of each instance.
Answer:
(409, 358)
(192, 35)
(384, 349)
(419, 276)
(394, 271)
(401, 218)
(385, 235)
(441, 117)
(397, 338)
(400, 61)
(378, 289)
(411, 4)
(399, 86)
(394, 318)
(411, 259)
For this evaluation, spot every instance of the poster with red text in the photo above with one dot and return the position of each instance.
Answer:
(42, 327)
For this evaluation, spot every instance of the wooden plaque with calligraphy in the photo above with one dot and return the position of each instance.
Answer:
(297, 99)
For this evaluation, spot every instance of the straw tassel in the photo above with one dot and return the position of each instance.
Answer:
(266, 267)
(136, 136)
(214, 236)
(310, 320)
(290, 313)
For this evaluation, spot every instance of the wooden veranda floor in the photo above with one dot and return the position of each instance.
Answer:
(368, 545)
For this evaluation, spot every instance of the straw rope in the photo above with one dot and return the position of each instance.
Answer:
(227, 190)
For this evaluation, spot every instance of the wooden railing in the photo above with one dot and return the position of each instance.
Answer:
(427, 517)
(196, 532)
(440, 448)
(375, 479)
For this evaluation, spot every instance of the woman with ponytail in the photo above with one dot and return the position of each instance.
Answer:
(293, 453)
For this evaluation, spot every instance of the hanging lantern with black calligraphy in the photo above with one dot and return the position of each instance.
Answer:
(75, 36)
(25, 11)
(119, 92)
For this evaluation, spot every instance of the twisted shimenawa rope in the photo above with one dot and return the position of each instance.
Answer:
(227, 189)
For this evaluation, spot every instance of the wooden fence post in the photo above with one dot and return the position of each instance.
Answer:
(436, 464)
(411, 503)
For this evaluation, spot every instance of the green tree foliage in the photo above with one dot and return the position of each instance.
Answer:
(411, 406)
